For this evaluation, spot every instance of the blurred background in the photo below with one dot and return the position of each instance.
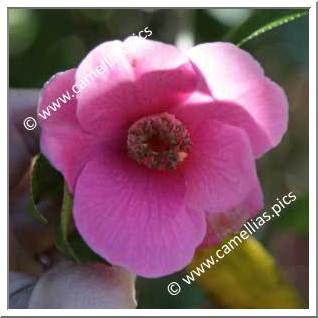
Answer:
(43, 42)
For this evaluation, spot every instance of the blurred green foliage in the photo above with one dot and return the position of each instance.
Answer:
(295, 217)
(152, 293)
(246, 278)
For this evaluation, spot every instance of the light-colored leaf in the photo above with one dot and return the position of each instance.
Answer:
(92, 285)
(20, 289)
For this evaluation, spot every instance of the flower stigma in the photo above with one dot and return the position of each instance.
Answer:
(160, 142)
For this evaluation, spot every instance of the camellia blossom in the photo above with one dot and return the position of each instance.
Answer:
(159, 150)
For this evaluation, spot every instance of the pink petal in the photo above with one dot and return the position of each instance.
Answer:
(53, 90)
(140, 77)
(234, 115)
(68, 150)
(136, 218)
(268, 104)
(62, 140)
(220, 225)
(220, 169)
(234, 75)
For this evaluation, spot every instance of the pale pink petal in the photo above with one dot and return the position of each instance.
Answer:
(135, 217)
(221, 225)
(234, 75)
(62, 140)
(220, 169)
(137, 78)
(91, 286)
(268, 104)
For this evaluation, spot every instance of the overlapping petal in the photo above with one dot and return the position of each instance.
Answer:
(63, 141)
(234, 75)
(136, 81)
(220, 170)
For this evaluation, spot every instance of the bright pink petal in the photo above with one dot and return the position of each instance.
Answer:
(220, 225)
(63, 141)
(136, 218)
(140, 77)
(220, 169)
(234, 75)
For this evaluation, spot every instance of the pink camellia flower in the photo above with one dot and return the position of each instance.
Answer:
(159, 150)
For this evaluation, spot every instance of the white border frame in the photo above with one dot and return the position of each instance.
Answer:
(312, 158)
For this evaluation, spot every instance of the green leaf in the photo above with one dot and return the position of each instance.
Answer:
(263, 21)
(46, 183)
(35, 213)
(65, 226)
(66, 213)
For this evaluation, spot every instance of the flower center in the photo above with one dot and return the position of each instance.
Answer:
(159, 142)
